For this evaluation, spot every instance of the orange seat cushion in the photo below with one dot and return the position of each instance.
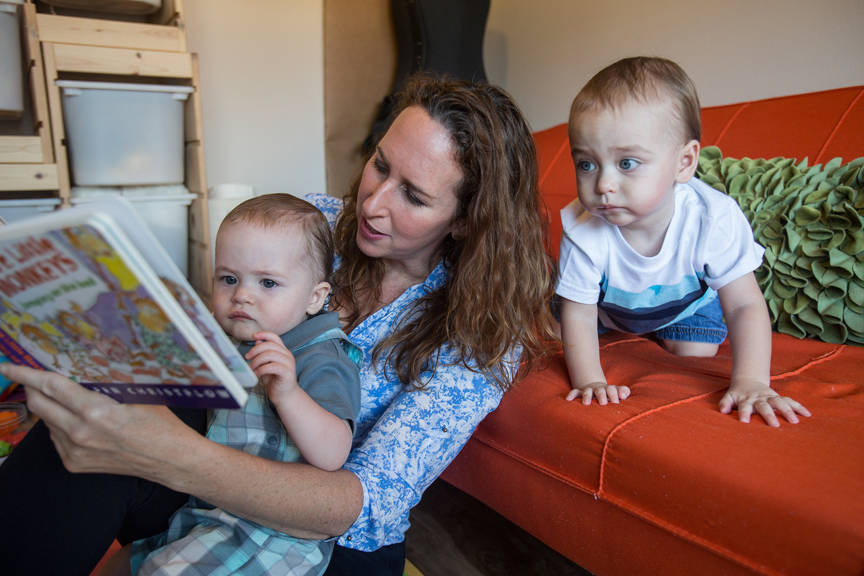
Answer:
(775, 501)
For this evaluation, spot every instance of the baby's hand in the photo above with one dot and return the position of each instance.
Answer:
(750, 395)
(602, 391)
(274, 364)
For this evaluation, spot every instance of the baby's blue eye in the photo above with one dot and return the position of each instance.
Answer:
(628, 164)
(229, 280)
(267, 283)
(585, 165)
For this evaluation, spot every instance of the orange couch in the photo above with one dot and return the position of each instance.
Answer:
(663, 483)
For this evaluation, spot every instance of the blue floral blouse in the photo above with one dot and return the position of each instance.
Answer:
(405, 439)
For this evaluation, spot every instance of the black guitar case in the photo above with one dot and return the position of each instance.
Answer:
(441, 36)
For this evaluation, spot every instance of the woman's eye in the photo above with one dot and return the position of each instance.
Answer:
(267, 283)
(585, 166)
(230, 280)
(628, 164)
(412, 198)
(378, 165)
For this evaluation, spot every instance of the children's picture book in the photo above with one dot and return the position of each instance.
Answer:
(6, 386)
(90, 293)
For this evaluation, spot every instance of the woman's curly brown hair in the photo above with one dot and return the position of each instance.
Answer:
(500, 277)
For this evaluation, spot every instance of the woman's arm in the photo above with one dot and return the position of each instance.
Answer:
(93, 433)
(411, 443)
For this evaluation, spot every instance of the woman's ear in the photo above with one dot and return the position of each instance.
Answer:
(459, 229)
(317, 298)
(688, 161)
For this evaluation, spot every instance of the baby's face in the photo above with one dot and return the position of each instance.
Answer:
(262, 280)
(627, 163)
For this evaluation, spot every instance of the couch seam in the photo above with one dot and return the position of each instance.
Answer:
(670, 527)
(813, 362)
(837, 127)
(635, 511)
(818, 360)
(543, 469)
(636, 418)
(785, 97)
(728, 125)
(616, 342)
(694, 370)
(647, 516)
(664, 364)
(639, 512)
(563, 147)
(690, 537)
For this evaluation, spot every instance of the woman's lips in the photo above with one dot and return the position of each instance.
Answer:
(368, 231)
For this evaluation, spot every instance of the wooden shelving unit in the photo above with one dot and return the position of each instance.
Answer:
(27, 162)
(67, 47)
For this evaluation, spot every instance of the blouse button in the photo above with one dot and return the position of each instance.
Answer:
(444, 429)
(348, 538)
(271, 440)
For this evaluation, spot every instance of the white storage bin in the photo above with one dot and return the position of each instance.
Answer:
(221, 200)
(11, 77)
(124, 134)
(167, 215)
(138, 7)
(17, 210)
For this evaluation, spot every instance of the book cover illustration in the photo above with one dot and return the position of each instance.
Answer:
(69, 303)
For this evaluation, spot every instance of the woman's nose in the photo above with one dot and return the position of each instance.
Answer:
(376, 201)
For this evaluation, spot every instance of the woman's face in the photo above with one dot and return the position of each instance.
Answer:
(406, 204)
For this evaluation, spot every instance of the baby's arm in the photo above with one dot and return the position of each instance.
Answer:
(323, 438)
(750, 337)
(582, 355)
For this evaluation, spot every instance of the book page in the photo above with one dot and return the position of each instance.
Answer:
(69, 303)
(136, 231)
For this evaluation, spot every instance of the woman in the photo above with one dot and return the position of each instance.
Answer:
(443, 282)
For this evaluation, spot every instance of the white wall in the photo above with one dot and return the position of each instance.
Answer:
(544, 51)
(262, 65)
(262, 69)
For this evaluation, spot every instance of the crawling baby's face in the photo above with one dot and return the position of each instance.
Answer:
(262, 280)
(628, 160)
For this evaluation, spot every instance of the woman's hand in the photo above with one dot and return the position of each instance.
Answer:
(92, 432)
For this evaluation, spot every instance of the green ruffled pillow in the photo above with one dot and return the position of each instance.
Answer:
(810, 219)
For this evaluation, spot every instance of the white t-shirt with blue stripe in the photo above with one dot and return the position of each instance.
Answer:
(709, 243)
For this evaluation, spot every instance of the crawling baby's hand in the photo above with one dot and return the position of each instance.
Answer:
(752, 396)
(604, 393)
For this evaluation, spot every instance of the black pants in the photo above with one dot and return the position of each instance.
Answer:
(56, 522)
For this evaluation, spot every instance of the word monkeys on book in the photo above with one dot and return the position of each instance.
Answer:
(32, 262)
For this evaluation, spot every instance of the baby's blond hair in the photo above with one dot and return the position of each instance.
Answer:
(277, 211)
(643, 79)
